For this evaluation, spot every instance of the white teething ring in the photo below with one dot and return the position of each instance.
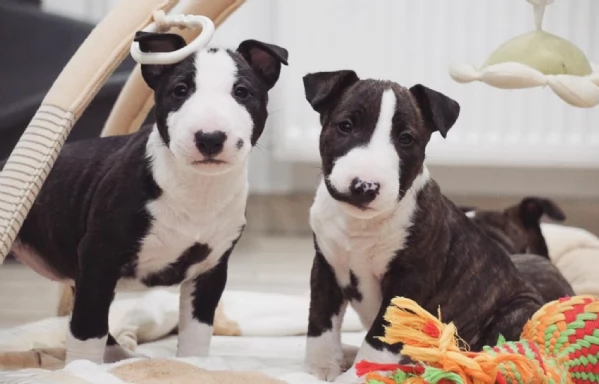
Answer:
(181, 21)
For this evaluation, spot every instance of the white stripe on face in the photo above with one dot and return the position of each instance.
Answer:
(212, 108)
(381, 138)
(377, 162)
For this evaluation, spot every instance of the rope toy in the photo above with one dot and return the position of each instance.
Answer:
(559, 345)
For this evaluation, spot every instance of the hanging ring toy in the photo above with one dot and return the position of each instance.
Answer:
(538, 59)
(163, 23)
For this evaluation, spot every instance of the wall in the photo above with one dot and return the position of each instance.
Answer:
(506, 142)
(416, 42)
(88, 10)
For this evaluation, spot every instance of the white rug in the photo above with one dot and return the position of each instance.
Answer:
(271, 326)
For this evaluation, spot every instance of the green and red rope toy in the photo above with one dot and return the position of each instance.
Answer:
(559, 345)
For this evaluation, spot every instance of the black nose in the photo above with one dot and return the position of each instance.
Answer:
(210, 144)
(363, 192)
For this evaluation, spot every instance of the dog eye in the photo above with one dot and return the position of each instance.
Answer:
(241, 92)
(345, 127)
(180, 90)
(405, 139)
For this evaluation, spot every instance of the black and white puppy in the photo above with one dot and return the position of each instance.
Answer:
(382, 228)
(161, 207)
(518, 229)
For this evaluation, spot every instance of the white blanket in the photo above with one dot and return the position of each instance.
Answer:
(257, 316)
(278, 357)
(155, 314)
(272, 343)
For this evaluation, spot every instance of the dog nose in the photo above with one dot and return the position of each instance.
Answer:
(363, 192)
(210, 144)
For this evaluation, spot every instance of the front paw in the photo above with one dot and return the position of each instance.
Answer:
(324, 357)
(349, 377)
(326, 372)
(116, 353)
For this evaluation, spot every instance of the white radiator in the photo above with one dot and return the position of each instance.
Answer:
(415, 42)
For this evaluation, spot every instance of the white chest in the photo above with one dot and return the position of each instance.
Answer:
(173, 233)
(210, 213)
(360, 247)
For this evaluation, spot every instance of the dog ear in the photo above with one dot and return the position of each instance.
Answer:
(438, 111)
(323, 88)
(157, 42)
(533, 208)
(265, 59)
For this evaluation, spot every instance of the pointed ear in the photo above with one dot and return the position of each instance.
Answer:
(531, 209)
(265, 59)
(157, 42)
(439, 111)
(323, 88)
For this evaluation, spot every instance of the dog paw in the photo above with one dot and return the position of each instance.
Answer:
(328, 373)
(128, 339)
(349, 377)
(115, 353)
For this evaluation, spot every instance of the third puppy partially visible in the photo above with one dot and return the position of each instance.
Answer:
(518, 229)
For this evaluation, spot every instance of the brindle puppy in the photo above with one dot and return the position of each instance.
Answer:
(518, 230)
(382, 228)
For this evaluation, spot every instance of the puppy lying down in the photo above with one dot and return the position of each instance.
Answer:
(518, 229)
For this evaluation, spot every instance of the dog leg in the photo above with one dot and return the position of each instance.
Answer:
(96, 283)
(198, 302)
(373, 349)
(324, 355)
(116, 352)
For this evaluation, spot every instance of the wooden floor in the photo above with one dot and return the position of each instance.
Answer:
(275, 264)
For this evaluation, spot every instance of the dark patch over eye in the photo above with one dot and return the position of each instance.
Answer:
(180, 90)
(406, 139)
(241, 92)
(345, 126)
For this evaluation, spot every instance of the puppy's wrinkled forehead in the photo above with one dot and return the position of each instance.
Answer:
(214, 69)
(223, 68)
(364, 100)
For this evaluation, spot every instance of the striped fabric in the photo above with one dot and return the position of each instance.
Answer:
(27, 169)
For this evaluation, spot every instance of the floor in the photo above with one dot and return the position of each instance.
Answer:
(269, 264)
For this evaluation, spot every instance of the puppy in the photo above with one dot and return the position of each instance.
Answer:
(518, 227)
(382, 228)
(161, 207)
(518, 230)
